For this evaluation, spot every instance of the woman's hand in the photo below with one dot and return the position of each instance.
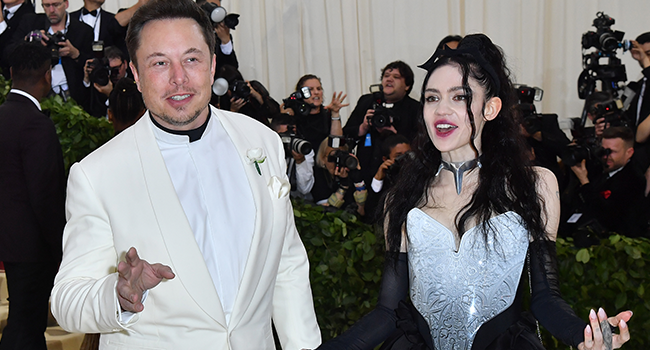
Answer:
(594, 335)
(237, 104)
(337, 103)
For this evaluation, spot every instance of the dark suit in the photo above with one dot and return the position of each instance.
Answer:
(617, 202)
(369, 148)
(641, 158)
(5, 37)
(32, 217)
(81, 37)
(110, 31)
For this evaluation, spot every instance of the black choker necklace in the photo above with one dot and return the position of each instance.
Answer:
(458, 168)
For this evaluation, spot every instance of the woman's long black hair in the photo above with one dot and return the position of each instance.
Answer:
(507, 182)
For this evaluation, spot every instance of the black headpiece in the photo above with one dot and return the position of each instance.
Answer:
(471, 50)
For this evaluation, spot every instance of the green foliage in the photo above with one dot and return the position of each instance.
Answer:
(79, 132)
(346, 259)
(5, 86)
(612, 275)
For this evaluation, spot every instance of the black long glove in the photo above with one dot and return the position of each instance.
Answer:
(379, 323)
(547, 304)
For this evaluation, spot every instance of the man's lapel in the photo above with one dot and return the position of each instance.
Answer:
(257, 255)
(187, 260)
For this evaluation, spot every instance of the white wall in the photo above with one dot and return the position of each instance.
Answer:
(347, 42)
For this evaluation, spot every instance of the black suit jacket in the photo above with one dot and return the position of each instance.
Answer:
(618, 202)
(5, 38)
(32, 184)
(80, 35)
(110, 31)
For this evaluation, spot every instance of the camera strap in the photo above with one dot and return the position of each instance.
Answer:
(458, 168)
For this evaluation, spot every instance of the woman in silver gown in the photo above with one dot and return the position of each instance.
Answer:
(468, 218)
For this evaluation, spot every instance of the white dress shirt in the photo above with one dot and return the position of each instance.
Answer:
(208, 176)
(94, 21)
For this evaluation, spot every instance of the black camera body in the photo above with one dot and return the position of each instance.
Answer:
(240, 89)
(218, 14)
(296, 101)
(343, 159)
(606, 41)
(383, 115)
(102, 72)
(292, 142)
(394, 169)
(52, 42)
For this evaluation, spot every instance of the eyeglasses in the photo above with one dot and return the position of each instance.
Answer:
(53, 5)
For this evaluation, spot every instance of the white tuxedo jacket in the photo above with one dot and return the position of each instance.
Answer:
(122, 196)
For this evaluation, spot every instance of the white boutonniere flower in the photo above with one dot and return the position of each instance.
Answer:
(256, 156)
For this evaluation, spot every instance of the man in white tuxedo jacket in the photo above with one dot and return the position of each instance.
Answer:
(199, 191)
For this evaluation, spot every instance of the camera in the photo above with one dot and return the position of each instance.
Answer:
(606, 42)
(604, 38)
(240, 89)
(102, 72)
(296, 101)
(218, 14)
(52, 42)
(393, 170)
(343, 159)
(294, 143)
(526, 96)
(612, 113)
(383, 115)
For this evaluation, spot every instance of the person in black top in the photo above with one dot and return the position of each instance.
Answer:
(105, 27)
(614, 198)
(67, 73)
(396, 81)
(319, 121)
(12, 12)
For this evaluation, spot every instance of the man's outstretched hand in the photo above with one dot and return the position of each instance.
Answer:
(135, 277)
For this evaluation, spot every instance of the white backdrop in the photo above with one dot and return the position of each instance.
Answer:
(347, 42)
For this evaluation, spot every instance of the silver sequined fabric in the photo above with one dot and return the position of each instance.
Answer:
(457, 292)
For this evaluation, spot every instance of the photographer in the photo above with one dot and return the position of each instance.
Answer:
(613, 199)
(314, 121)
(639, 107)
(300, 162)
(337, 180)
(396, 82)
(395, 150)
(10, 16)
(542, 131)
(224, 47)
(247, 97)
(100, 75)
(69, 41)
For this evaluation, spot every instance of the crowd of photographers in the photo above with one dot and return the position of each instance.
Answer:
(602, 169)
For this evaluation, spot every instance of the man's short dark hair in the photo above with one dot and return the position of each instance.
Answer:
(29, 62)
(167, 9)
(404, 70)
(230, 73)
(390, 142)
(620, 132)
(282, 119)
(113, 52)
(643, 38)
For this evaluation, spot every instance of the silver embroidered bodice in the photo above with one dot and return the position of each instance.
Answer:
(458, 291)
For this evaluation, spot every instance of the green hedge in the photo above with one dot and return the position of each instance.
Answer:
(346, 259)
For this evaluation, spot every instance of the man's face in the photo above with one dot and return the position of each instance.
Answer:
(398, 150)
(645, 48)
(174, 72)
(55, 10)
(394, 86)
(118, 65)
(620, 153)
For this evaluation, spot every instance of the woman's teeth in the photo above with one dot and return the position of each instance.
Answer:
(180, 97)
(445, 127)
